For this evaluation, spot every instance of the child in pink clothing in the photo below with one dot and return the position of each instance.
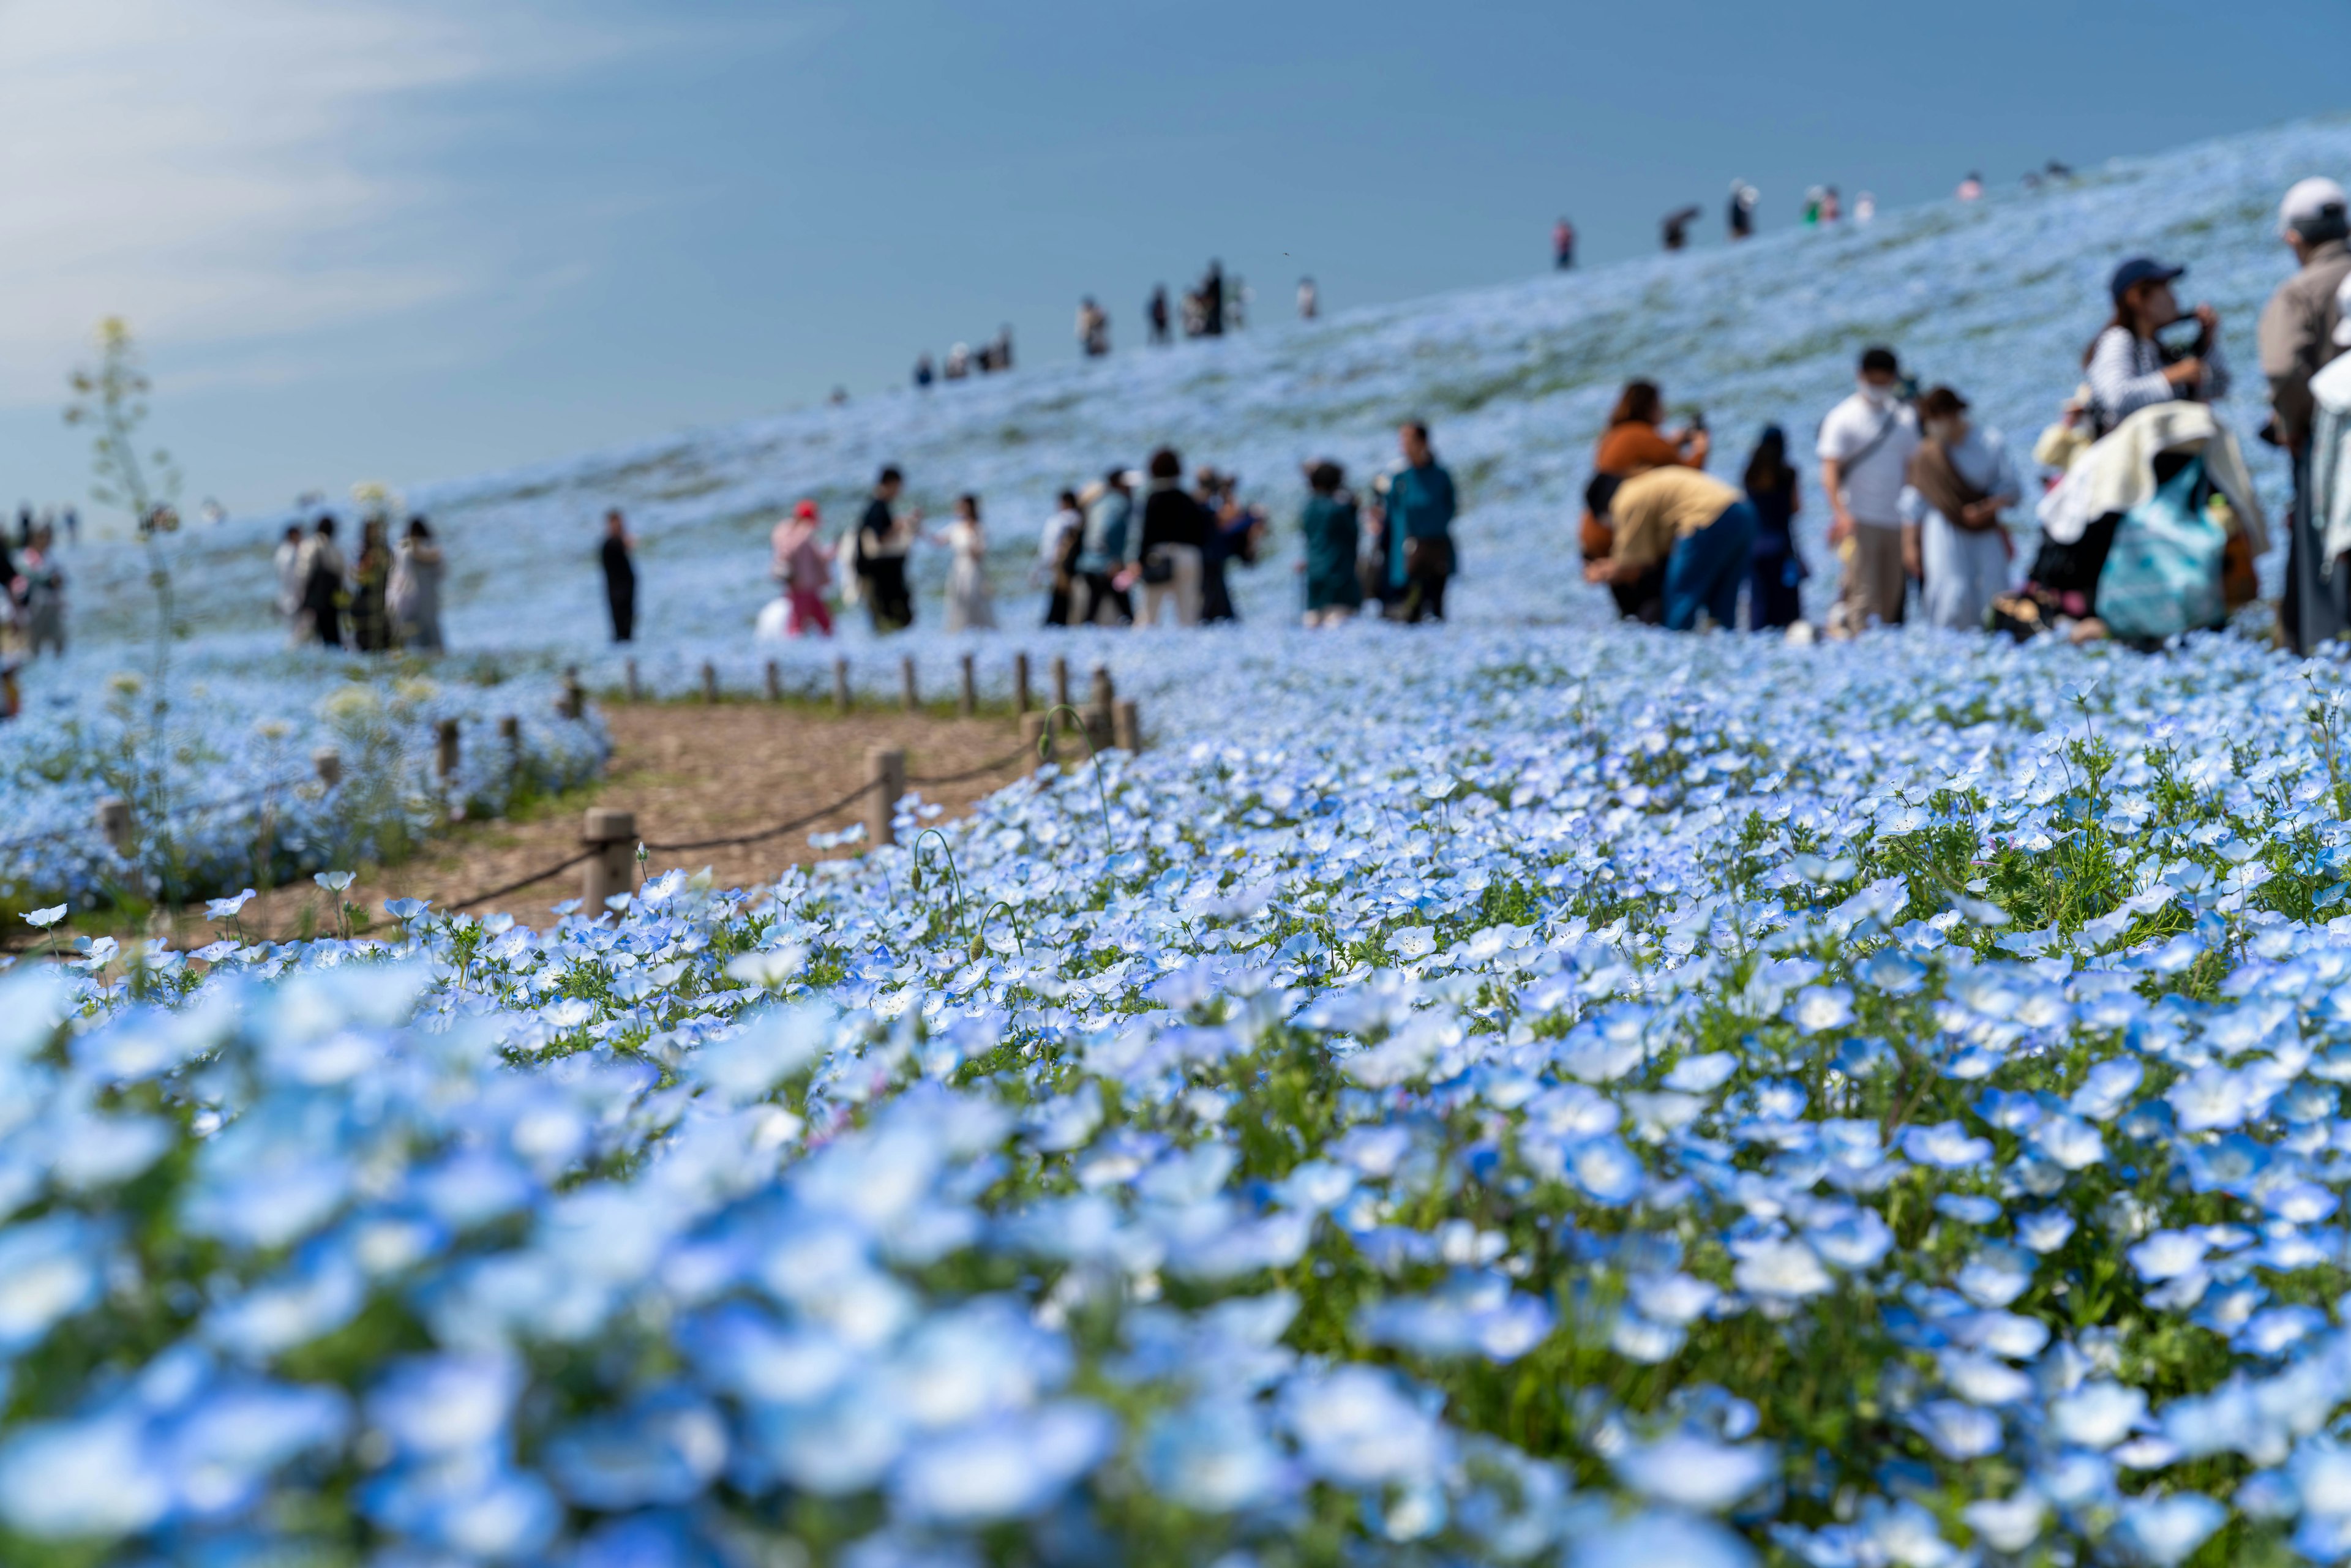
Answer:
(803, 570)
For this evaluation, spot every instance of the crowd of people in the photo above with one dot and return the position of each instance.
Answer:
(2145, 521)
(2146, 524)
(386, 598)
(1134, 547)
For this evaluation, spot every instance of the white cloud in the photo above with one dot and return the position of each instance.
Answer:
(231, 172)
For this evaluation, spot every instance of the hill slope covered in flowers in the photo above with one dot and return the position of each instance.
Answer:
(1521, 1092)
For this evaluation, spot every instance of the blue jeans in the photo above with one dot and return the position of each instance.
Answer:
(1706, 569)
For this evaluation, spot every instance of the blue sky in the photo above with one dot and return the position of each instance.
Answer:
(416, 240)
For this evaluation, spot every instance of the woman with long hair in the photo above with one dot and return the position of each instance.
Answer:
(414, 596)
(2129, 368)
(1775, 570)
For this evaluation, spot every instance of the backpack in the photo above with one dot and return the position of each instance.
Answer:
(2163, 574)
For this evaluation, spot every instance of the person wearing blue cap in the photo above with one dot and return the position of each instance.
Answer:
(2129, 368)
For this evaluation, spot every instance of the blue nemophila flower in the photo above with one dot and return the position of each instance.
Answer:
(1947, 1145)
(1687, 1469)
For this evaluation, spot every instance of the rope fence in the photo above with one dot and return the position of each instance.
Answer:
(610, 843)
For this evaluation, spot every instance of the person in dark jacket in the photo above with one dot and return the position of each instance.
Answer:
(1416, 524)
(882, 541)
(1334, 535)
(1156, 314)
(1167, 551)
(322, 585)
(1774, 596)
(620, 577)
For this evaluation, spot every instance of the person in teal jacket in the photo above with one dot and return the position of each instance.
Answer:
(1416, 530)
(1333, 590)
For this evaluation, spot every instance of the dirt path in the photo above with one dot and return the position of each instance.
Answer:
(689, 772)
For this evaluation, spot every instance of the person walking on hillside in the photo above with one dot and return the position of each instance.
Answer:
(1743, 197)
(1167, 550)
(1212, 301)
(970, 606)
(1155, 313)
(619, 576)
(1309, 303)
(1699, 530)
(1959, 480)
(1864, 450)
(2128, 366)
(2298, 339)
(288, 564)
(1333, 530)
(1776, 571)
(1099, 595)
(1057, 554)
(1972, 188)
(371, 584)
(1562, 246)
(883, 540)
(802, 569)
(1632, 442)
(1093, 329)
(322, 585)
(1674, 227)
(1416, 527)
(924, 374)
(415, 597)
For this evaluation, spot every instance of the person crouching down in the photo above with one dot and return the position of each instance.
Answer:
(1683, 532)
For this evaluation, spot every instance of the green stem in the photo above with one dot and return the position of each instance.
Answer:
(1045, 750)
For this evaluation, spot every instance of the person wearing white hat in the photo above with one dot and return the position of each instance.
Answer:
(2300, 332)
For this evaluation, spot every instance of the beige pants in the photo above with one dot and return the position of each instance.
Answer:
(1876, 584)
(1183, 587)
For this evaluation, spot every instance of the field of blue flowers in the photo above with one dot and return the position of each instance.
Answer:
(1522, 1092)
(222, 776)
(1651, 1099)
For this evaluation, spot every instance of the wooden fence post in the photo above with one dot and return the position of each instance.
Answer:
(906, 683)
(1060, 681)
(709, 681)
(775, 683)
(1034, 729)
(328, 763)
(611, 833)
(573, 702)
(1126, 727)
(637, 691)
(885, 769)
(114, 822)
(510, 732)
(1020, 681)
(967, 700)
(444, 750)
(841, 685)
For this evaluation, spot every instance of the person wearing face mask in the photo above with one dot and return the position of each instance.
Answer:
(1958, 482)
(2129, 369)
(1864, 450)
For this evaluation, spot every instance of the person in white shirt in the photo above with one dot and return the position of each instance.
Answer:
(290, 573)
(1960, 479)
(1864, 450)
(2129, 369)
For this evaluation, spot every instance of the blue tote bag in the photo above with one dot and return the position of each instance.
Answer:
(2163, 575)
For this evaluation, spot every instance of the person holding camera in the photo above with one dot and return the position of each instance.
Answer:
(2129, 368)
